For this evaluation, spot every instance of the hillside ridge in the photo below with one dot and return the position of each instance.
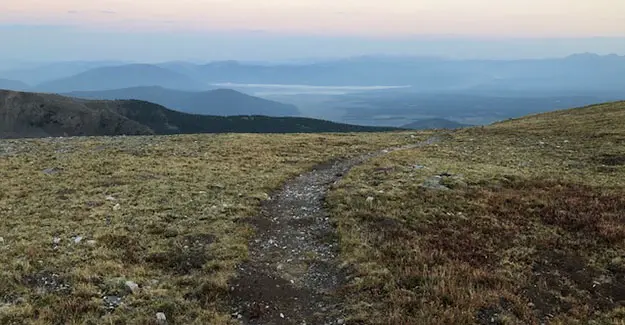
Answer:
(38, 114)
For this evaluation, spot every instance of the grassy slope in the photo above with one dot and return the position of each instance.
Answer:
(532, 229)
(175, 231)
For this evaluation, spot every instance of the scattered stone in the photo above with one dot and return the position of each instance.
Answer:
(51, 171)
(112, 302)
(91, 242)
(161, 318)
(1, 240)
(77, 239)
(47, 282)
(370, 199)
(132, 286)
(117, 207)
(340, 321)
(434, 183)
(418, 166)
(110, 198)
(281, 315)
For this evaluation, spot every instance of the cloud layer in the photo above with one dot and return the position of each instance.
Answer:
(487, 18)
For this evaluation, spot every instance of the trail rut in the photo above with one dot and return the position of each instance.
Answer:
(293, 270)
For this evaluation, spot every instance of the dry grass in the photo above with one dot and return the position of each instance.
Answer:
(163, 212)
(531, 228)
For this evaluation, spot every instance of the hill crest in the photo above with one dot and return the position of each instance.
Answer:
(40, 115)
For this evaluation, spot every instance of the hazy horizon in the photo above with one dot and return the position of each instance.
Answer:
(207, 30)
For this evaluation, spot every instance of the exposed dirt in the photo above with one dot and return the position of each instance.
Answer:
(611, 160)
(293, 270)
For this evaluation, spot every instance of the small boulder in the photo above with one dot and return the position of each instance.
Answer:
(112, 302)
(51, 171)
(434, 183)
(161, 319)
(132, 286)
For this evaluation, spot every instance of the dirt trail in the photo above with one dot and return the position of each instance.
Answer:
(293, 268)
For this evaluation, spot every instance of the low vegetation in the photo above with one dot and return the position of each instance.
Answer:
(85, 219)
(517, 223)
(522, 222)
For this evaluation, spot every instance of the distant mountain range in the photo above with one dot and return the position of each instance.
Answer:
(125, 76)
(12, 84)
(212, 102)
(37, 73)
(25, 114)
(580, 72)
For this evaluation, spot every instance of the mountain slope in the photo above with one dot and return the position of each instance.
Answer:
(36, 74)
(434, 123)
(212, 102)
(12, 84)
(38, 115)
(124, 76)
(522, 221)
(35, 115)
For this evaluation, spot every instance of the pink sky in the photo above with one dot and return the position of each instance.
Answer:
(500, 18)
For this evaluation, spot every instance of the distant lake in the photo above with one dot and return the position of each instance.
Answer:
(280, 89)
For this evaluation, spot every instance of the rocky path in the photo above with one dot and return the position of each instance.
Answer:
(293, 268)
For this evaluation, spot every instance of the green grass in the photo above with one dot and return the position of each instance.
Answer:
(530, 229)
(162, 211)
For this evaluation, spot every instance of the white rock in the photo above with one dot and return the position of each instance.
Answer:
(91, 242)
(77, 239)
(161, 318)
(282, 315)
(110, 198)
(370, 199)
(56, 240)
(132, 286)
(2, 240)
(117, 207)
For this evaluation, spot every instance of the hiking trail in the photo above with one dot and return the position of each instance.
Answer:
(293, 267)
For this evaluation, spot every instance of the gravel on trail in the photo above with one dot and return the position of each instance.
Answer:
(293, 268)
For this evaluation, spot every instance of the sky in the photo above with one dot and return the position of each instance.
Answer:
(149, 30)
